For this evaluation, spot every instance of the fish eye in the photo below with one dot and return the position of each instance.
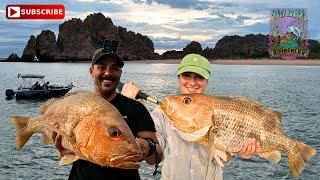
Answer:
(114, 132)
(187, 100)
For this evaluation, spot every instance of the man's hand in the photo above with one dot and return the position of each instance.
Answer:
(143, 146)
(251, 148)
(130, 90)
(57, 142)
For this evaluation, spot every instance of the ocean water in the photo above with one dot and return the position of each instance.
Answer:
(293, 90)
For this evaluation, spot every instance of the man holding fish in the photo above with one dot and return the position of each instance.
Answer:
(106, 72)
(182, 159)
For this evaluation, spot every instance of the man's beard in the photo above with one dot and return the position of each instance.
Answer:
(108, 89)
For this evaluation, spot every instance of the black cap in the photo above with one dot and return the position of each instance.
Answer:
(109, 50)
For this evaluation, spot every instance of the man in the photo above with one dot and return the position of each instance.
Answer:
(45, 86)
(184, 160)
(106, 72)
(36, 86)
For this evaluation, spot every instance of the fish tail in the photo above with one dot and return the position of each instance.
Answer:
(299, 156)
(23, 131)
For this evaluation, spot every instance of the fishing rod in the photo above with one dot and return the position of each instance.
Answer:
(140, 95)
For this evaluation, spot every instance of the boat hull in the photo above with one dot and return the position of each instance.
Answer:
(42, 94)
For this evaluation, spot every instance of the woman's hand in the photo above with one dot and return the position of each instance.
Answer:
(251, 148)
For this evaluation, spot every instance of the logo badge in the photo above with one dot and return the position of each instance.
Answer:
(288, 38)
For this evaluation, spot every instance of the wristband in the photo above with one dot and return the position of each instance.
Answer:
(152, 146)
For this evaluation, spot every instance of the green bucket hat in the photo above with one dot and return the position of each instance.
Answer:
(195, 63)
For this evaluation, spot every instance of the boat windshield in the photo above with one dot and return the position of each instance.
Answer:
(31, 76)
(27, 81)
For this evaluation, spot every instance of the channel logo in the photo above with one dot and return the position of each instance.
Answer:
(35, 11)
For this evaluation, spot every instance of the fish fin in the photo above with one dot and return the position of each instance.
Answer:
(49, 102)
(278, 114)
(272, 156)
(77, 92)
(218, 155)
(244, 99)
(46, 138)
(299, 156)
(229, 157)
(42, 109)
(23, 132)
(68, 159)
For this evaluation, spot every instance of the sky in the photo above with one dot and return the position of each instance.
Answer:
(170, 24)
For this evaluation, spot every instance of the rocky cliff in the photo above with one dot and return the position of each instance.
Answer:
(29, 52)
(251, 46)
(13, 57)
(77, 41)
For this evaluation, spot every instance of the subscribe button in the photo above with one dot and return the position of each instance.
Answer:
(35, 11)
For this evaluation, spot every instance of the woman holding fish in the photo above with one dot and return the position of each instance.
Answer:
(182, 159)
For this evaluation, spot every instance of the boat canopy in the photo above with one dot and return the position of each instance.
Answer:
(36, 76)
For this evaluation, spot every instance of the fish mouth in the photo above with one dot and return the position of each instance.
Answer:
(126, 161)
(164, 105)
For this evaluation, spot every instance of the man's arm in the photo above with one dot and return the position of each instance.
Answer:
(131, 90)
(144, 146)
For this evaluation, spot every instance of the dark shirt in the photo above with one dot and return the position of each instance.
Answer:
(138, 119)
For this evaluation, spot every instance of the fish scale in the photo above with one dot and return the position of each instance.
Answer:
(233, 121)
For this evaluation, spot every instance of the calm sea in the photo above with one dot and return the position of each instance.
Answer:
(293, 90)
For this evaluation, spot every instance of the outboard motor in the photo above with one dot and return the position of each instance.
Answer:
(10, 93)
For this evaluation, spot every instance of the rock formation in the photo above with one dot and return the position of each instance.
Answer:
(193, 47)
(46, 47)
(173, 54)
(29, 52)
(249, 46)
(77, 40)
(14, 58)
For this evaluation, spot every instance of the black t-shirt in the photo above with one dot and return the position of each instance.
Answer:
(138, 119)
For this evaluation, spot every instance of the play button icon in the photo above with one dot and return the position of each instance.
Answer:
(13, 12)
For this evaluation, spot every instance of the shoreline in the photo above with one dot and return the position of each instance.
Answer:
(304, 62)
(299, 62)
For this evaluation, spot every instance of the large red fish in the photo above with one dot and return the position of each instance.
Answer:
(224, 124)
(91, 128)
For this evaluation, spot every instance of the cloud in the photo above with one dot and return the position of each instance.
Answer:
(170, 24)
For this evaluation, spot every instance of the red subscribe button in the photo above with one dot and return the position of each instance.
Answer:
(35, 11)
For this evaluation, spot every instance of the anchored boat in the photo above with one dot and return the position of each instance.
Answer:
(34, 86)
